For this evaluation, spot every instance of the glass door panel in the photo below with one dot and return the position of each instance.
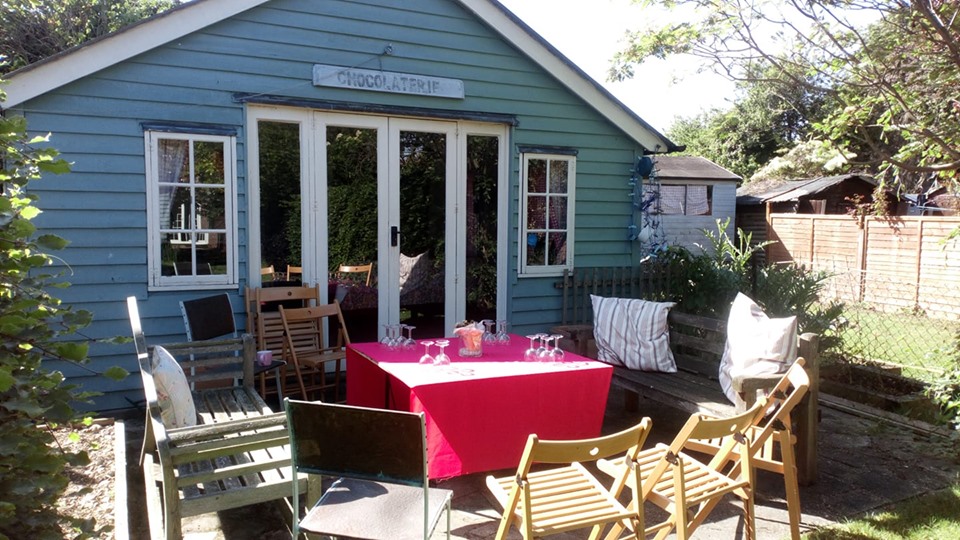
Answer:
(352, 188)
(423, 223)
(483, 168)
(280, 212)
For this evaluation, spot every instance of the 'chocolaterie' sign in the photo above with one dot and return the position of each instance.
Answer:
(386, 81)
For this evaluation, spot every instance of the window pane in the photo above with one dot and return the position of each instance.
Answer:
(211, 208)
(672, 199)
(558, 176)
(208, 162)
(698, 203)
(558, 248)
(483, 160)
(536, 248)
(537, 176)
(558, 213)
(173, 161)
(536, 212)
(212, 254)
(279, 195)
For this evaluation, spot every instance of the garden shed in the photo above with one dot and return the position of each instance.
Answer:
(694, 192)
(227, 143)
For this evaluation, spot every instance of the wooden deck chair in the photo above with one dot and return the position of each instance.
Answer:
(263, 321)
(552, 501)
(307, 349)
(268, 273)
(772, 439)
(687, 488)
(379, 460)
(365, 271)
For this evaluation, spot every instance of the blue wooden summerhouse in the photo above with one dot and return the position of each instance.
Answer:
(228, 143)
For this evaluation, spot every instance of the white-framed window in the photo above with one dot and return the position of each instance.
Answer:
(547, 187)
(686, 199)
(191, 209)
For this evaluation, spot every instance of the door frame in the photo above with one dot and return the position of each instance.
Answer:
(314, 210)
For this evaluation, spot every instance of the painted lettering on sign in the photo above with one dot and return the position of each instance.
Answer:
(386, 81)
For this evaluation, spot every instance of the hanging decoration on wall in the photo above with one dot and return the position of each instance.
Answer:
(646, 226)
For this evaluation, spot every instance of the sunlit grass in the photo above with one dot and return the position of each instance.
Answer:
(933, 516)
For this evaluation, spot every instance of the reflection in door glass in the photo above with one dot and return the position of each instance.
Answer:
(279, 199)
(482, 168)
(422, 230)
(352, 229)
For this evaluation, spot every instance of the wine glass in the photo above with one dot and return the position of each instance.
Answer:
(557, 353)
(426, 358)
(441, 359)
(409, 343)
(503, 338)
(530, 355)
(386, 341)
(543, 352)
(488, 336)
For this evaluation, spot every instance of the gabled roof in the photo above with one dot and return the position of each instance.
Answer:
(793, 190)
(61, 69)
(691, 168)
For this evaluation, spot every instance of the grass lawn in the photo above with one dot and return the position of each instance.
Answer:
(932, 516)
(899, 338)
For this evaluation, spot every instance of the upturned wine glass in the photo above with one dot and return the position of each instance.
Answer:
(503, 338)
(557, 354)
(489, 338)
(427, 358)
(441, 358)
(530, 355)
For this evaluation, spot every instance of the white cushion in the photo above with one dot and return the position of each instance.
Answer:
(756, 344)
(633, 333)
(173, 391)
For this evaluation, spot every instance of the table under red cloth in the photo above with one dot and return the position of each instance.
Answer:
(479, 411)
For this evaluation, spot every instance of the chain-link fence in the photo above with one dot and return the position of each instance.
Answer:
(882, 325)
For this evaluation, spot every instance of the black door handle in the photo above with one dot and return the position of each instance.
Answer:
(394, 236)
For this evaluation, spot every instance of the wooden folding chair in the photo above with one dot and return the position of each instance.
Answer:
(364, 270)
(306, 347)
(378, 459)
(552, 501)
(686, 488)
(268, 273)
(263, 320)
(772, 435)
(294, 271)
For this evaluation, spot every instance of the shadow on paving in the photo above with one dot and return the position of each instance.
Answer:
(863, 465)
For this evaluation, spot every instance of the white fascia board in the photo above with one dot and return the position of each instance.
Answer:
(495, 14)
(112, 49)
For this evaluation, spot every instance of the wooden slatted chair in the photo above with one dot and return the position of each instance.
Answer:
(378, 459)
(268, 273)
(307, 349)
(294, 272)
(363, 271)
(772, 438)
(263, 320)
(686, 488)
(567, 498)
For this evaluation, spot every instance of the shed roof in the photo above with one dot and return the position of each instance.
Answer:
(692, 167)
(793, 190)
(61, 69)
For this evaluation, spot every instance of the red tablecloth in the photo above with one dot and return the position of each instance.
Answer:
(479, 411)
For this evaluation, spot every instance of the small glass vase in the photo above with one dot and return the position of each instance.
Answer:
(471, 346)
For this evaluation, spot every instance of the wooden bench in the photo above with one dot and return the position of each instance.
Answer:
(697, 344)
(236, 455)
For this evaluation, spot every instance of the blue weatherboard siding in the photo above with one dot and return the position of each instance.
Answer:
(96, 123)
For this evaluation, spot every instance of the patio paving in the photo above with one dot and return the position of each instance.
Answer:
(864, 465)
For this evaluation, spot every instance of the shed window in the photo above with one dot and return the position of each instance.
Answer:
(191, 209)
(547, 210)
(689, 200)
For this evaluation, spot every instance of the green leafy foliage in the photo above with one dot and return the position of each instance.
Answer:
(32, 327)
(706, 284)
(36, 29)
(945, 391)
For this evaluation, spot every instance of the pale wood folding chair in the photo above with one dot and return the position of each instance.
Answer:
(772, 439)
(552, 501)
(268, 273)
(685, 487)
(294, 272)
(263, 321)
(378, 459)
(365, 271)
(306, 347)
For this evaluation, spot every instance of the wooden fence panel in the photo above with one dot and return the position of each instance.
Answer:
(898, 263)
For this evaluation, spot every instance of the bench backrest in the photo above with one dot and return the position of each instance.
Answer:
(649, 282)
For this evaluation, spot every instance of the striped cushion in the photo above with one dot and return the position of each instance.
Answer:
(756, 344)
(633, 333)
